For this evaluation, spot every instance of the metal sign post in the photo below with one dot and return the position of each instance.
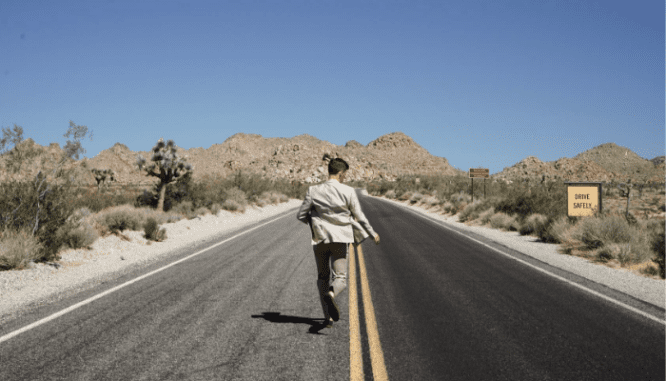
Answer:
(479, 172)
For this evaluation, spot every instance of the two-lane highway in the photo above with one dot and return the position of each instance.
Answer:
(444, 307)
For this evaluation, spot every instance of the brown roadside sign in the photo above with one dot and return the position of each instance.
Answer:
(479, 173)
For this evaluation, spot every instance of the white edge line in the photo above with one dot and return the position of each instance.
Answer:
(111, 290)
(636, 310)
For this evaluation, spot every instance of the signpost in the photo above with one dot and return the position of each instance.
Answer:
(479, 172)
(584, 198)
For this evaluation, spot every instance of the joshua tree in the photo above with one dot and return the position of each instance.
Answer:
(166, 166)
(102, 176)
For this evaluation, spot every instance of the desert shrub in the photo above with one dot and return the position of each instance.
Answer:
(390, 194)
(460, 197)
(620, 252)
(254, 184)
(77, 234)
(503, 221)
(17, 249)
(233, 206)
(201, 211)
(549, 200)
(96, 200)
(597, 231)
(215, 208)
(472, 211)
(186, 208)
(657, 232)
(269, 198)
(415, 197)
(430, 200)
(486, 215)
(449, 207)
(534, 224)
(120, 218)
(500, 220)
(152, 231)
(469, 213)
(235, 196)
(37, 206)
(556, 231)
(404, 195)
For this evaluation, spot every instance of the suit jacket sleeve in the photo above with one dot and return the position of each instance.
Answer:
(304, 212)
(356, 211)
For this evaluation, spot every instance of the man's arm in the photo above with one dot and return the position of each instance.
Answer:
(303, 214)
(356, 211)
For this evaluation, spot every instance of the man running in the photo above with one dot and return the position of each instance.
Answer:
(331, 209)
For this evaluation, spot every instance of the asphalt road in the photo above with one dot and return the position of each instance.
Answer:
(446, 308)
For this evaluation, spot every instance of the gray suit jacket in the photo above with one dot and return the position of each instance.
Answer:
(334, 214)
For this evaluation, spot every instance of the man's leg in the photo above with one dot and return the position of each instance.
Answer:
(339, 267)
(322, 254)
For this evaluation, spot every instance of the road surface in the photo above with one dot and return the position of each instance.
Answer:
(444, 308)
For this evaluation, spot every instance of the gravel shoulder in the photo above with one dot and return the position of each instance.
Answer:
(21, 290)
(650, 290)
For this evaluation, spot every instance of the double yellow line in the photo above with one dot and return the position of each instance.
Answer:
(355, 352)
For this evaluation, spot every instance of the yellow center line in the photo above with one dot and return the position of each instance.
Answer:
(376, 353)
(355, 353)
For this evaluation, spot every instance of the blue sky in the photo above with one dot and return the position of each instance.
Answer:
(482, 83)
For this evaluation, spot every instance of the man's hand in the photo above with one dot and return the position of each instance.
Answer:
(376, 237)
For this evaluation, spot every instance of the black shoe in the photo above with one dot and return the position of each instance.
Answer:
(332, 307)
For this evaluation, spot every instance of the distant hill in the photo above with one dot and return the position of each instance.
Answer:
(304, 158)
(604, 163)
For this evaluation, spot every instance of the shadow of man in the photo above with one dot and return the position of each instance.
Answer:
(316, 325)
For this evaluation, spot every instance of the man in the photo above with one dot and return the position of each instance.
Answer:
(331, 209)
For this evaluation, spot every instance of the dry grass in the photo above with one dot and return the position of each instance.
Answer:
(18, 249)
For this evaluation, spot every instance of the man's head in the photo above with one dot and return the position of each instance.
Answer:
(337, 167)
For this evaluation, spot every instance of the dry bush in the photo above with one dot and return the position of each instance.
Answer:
(449, 207)
(77, 236)
(215, 208)
(269, 198)
(405, 196)
(500, 220)
(235, 196)
(390, 194)
(415, 197)
(17, 249)
(486, 215)
(152, 231)
(233, 206)
(201, 211)
(472, 211)
(534, 224)
(596, 232)
(556, 232)
(118, 218)
(430, 200)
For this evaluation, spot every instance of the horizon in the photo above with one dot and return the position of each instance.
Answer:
(480, 84)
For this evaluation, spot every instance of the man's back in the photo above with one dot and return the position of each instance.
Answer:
(333, 207)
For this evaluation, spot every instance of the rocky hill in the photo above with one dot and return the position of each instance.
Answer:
(304, 158)
(605, 163)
